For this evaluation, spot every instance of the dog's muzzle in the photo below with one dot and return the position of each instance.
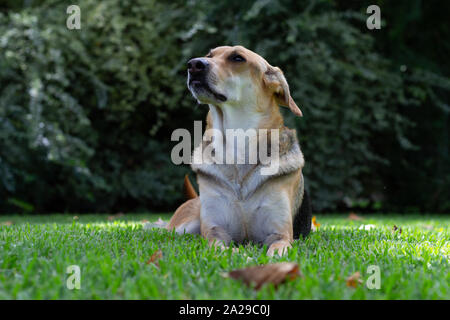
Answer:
(198, 69)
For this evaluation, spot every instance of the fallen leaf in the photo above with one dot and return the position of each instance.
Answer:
(274, 273)
(155, 257)
(395, 228)
(354, 280)
(144, 221)
(314, 225)
(7, 223)
(115, 216)
(75, 218)
(354, 216)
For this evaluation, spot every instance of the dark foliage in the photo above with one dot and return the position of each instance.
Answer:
(86, 115)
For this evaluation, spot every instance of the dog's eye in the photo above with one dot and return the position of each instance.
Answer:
(237, 58)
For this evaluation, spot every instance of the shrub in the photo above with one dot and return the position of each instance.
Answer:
(86, 115)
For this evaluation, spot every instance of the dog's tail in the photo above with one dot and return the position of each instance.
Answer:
(189, 191)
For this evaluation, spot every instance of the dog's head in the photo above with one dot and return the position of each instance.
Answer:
(238, 76)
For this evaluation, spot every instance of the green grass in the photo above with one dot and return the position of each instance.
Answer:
(36, 250)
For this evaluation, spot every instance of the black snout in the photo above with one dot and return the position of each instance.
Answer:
(197, 66)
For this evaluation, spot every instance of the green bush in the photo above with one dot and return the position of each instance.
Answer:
(86, 115)
(80, 110)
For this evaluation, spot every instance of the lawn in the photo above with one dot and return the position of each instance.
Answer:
(113, 255)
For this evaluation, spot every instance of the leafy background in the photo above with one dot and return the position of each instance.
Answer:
(86, 115)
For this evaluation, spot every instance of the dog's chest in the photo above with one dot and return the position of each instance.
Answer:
(241, 199)
(239, 178)
(240, 181)
(234, 199)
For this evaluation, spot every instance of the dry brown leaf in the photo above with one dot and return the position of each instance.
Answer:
(155, 257)
(395, 228)
(75, 217)
(275, 273)
(115, 216)
(144, 221)
(354, 216)
(354, 280)
(314, 224)
(7, 223)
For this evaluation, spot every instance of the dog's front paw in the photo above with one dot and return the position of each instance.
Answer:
(221, 246)
(278, 247)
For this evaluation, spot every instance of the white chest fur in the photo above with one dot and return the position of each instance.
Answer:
(245, 203)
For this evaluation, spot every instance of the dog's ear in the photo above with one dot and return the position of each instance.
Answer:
(276, 82)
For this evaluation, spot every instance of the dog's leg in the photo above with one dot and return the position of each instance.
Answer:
(186, 218)
(272, 222)
(220, 221)
(278, 244)
(217, 236)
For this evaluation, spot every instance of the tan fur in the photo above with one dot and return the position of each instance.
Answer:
(189, 191)
(187, 213)
(236, 202)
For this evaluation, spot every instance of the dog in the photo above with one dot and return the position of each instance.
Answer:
(237, 203)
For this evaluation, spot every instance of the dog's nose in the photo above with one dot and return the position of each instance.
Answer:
(197, 65)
